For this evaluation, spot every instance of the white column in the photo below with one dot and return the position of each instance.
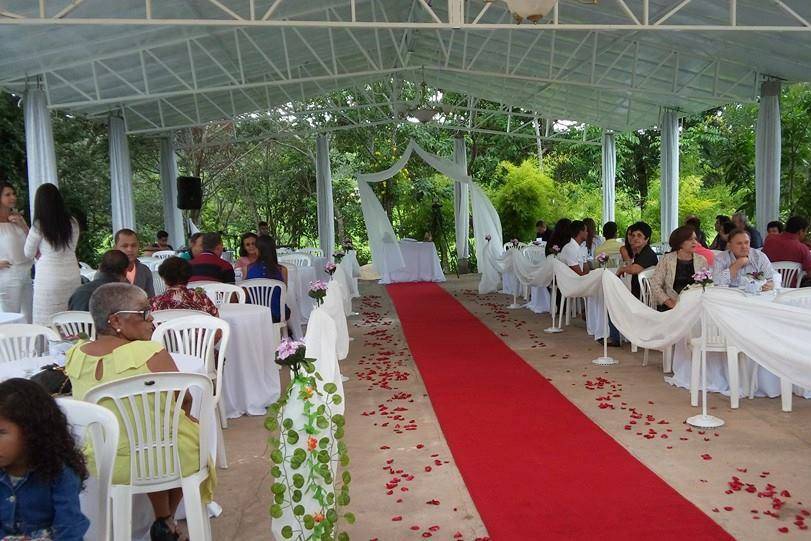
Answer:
(669, 192)
(172, 216)
(609, 175)
(323, 187)
(123, 206)
(40, 155)
(768, 148)
(461, 202)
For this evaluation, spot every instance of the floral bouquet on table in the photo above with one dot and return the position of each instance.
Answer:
(602, 259)
(755, 282)
(555, 249)
(329, 268)
(514, 243)
(291, 353)
(338, 256)
(703, 277)
(318, 290)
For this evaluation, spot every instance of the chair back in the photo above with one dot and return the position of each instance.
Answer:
(164, 254)
(87, 271)
(614, 261)
(535, 254)
(149, 409)
(98, 425)
(509, 245)
(260, 291)
(299, 260)
(645, 291)
(800, 296)
(224, 293)
(160, 317)
(72, 323)
(23, 341)
(316, 252)
(791, 273)
(196, 336)
(157, 282)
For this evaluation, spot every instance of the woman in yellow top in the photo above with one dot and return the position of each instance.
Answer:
(122, 349)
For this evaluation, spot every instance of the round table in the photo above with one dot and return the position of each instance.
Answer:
(11, 317)
(250, 377)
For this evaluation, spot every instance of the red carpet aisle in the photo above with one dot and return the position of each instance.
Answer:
(536, 467)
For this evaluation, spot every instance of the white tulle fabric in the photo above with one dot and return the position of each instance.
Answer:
(382, 240)
(334, 306)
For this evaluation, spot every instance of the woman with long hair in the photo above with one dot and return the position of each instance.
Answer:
(267, 266)
(560, 237)
(248, 253)
(52, 239)
(15, 267)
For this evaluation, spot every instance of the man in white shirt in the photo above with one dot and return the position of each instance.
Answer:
(731, 266)
(572, 254)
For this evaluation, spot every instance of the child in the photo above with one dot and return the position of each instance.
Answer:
(41, 469)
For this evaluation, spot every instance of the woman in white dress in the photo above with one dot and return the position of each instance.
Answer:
(53, 236)
(15, 267)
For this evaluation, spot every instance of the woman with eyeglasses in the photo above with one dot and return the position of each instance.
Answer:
(122, 349)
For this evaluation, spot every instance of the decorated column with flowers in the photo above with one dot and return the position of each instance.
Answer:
(318, 290)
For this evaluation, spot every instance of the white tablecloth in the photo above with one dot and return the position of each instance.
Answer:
(11, 317)
(298, 279)
(422, 264)
(250, 376)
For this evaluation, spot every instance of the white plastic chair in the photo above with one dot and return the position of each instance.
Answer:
(535, 254)
(72, 323)
(796, 297)
(791, 273)
(260, 291)
(87, 271)
(647, 298)
(24, 341)
(164, 254)
(100, 426)
(711, 340)
(316, 252)
(160, 317)
(196, 336)
(157, 283)
(223, 293)
(299, 260)
(509, 245)
(153, 439)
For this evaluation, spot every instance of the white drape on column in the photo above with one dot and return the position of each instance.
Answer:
(768, 148)
(609, 176)
(172, 216)
(669, 192)
(40, 155)
(323, 187)
(386, 253)
(123, 206)
(461, 201)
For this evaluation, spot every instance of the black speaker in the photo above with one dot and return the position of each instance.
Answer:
(189, 193)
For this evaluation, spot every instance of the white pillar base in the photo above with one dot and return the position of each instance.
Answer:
(705, 421)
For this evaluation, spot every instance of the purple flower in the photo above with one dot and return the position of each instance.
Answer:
(288, 347)
(514, 242)
(330, 268)
(602, 257)
(318, 285)
(556, 248)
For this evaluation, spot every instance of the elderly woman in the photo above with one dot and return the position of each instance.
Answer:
(176, 273)
(676, 269)
(122, 349)
(740, 259)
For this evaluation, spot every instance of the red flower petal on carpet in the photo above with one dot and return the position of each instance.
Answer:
(706, 456)
(396, 518)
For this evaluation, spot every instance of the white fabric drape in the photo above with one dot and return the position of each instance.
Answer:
(768, 148)
(123, 206)
(669, 191)
(461, 201)
(321, 340)
(40, 155)
(386, 254)
(172, 216)
(334, 306)
(323, 187)
(609, 175)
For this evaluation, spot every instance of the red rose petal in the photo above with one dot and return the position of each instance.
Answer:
(396, 518)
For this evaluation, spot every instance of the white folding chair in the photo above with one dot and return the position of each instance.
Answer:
(260, 291)
(316, 252)
(164, 254)
(159, 317)
(24, 341)
(796, 297)
(223, 293)
(100, 426)
(196, 336)
(791, 273)
(72, 323)
(299, 260)
(149, 407)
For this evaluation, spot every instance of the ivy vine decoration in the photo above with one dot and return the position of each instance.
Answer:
(305, 454)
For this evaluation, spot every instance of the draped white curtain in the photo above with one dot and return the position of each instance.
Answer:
(40, 155)
(323, 186)
(172, 216)
(768, 148)
(123, 206)
(386, 253)
(609, 175)
(669, 192)
(461, 201)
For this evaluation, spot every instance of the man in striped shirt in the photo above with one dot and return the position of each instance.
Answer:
(208, 266)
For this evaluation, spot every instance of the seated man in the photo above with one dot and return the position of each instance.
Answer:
(571, 254)
(138, 274)
(209, 266)
(611, 245)
(774, 228)
(161, 244)
(113, 268)
(788, 246)
(739, 259)
(741, 222)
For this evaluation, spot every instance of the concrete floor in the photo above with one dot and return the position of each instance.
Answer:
(752, 476)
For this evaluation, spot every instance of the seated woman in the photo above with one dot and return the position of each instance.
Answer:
(122, 349)
(176, 272)
(248, 254)
(267, 266)
(676, 268)
(740, 259)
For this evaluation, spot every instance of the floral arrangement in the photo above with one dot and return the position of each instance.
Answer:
(290, 353)
(338, 256)
(703, 277)
(487, 237)
(514, 242)
(602, 258)
(306, 449)
(329, 268)
(556, 249)
(318, 290)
